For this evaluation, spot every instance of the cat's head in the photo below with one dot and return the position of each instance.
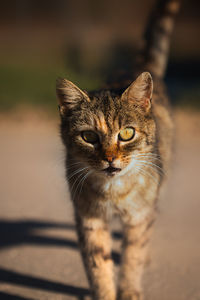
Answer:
(106, 132)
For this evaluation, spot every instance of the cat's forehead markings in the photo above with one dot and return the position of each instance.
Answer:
(101, 122)
(110, 112)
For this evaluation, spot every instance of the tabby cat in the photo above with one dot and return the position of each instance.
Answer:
(118, 149)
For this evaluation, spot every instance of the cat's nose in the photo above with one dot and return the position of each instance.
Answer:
(110, 158)
(110, 154)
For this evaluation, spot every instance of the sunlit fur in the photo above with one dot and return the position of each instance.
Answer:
(132, 189)
(140, 159)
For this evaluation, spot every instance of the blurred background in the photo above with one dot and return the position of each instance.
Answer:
(81, 41)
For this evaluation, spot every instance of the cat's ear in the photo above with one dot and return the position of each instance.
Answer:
(69, 95)
(140, 91)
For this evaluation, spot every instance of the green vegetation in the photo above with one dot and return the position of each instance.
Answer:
(35, 85)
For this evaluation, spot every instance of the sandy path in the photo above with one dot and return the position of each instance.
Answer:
(39, 258)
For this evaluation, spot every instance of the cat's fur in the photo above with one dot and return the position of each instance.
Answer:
(133, 191)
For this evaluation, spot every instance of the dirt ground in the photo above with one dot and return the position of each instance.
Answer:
(39, 258)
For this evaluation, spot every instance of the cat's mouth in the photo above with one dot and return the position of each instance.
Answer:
(111, 171)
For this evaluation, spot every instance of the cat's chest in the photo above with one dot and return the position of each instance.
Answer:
(122, 189)
(133, 198)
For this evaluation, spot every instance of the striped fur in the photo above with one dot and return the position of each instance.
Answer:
(141, 161)
(157, 36)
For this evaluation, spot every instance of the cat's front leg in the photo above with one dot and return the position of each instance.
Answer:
(95, 247)
(133, 260)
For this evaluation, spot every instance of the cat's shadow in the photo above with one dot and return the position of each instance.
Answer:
(15, 233)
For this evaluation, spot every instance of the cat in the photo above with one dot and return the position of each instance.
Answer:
(118, 146)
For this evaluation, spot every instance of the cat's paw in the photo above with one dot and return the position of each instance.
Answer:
(134, 295)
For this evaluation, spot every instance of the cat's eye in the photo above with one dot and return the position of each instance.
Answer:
(126, 134)
(90, 136)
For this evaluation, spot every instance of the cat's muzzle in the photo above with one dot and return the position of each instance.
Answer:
(111, 171)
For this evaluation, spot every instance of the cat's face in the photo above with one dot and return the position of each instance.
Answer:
(104, 132)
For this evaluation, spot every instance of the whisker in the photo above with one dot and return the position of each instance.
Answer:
(145, 172)
(152, 168)
(74, 164)
(76, 172)
(149, 162)
(148, 156)
(74, 192)
(152, 164)
(81, 183)
(73, 185)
